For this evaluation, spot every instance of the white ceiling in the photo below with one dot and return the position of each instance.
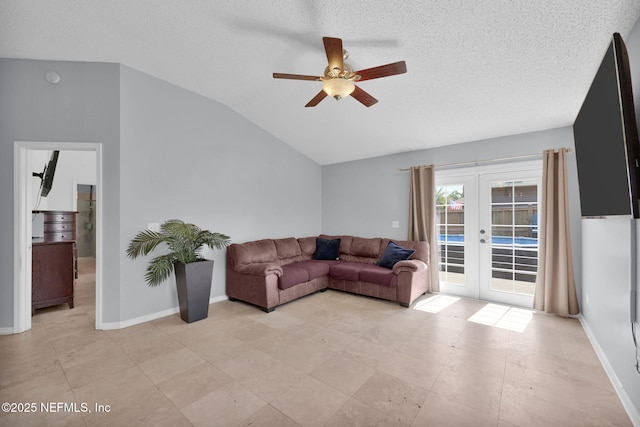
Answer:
(476, 69)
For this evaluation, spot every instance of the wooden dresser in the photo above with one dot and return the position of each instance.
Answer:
(54, 260)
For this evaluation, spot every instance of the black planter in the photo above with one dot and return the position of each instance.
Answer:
(194, 289)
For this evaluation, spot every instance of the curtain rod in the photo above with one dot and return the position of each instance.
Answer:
(477, 162)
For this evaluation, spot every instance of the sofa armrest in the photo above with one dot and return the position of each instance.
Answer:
(259, 269)
(409, 266)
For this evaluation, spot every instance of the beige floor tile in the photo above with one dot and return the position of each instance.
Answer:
(273, 381)
(600, 406)
(218, 348)
(388, 336)
(39, 389)
(433, 332)
(167, 365)
(81, 338)
(479, 362)
(392, 396)
(310, 402)
(471, 388)
(438, 411)
(93, 370)
(113, 388)
(529, 357)
(148, 347)
(305, 356)
(269, 416)
(552, 388)
(331, 357)
(281, 321)
(367, 352)
(411, 369)
(476, 336)
(244, 362)
(54, 415)
(150, 408)
(343, 373)
(91, 351)
(430, 353)
(275, 342)
(524, 410)
(357, 414)
(24, 366)
(192, 384)
(229, 405)
(331, 340)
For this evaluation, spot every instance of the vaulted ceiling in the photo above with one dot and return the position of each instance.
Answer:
(476, 69)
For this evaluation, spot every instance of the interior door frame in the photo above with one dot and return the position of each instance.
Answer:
(23, 190)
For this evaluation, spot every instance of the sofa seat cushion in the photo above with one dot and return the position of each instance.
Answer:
(346, 271)
(377, 275)
(315, 268)
(292, 276)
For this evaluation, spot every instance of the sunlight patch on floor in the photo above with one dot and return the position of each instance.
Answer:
(502, 316)
(436, 303)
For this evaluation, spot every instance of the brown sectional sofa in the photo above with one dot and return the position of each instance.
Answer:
(270, 272)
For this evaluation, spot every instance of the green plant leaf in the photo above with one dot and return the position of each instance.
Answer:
(143, 243)
(159, 269)
(184, 241)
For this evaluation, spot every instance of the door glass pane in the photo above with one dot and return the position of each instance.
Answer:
(514, 236)
(450, 225)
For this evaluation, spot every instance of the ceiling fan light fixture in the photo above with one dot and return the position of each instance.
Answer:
(338, 88)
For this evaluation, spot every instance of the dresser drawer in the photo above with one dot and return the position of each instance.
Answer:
(56, 236)
(59, 217)
(60, 226)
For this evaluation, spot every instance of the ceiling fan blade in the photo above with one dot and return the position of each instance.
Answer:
(333, 47)
(382, 71)
(362, 96)
(295, 77)
(316, 99)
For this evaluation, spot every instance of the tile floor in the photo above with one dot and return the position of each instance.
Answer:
(330, 359)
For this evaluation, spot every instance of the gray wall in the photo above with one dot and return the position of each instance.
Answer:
(84, 107)
(188, 157)
(363, 197)
(167, 153)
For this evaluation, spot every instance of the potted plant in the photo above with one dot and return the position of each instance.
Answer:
(193, 272)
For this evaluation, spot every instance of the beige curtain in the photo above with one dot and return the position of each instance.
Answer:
(422, 219)
(555, 285)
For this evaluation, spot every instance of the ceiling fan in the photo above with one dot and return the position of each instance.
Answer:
(339, 77)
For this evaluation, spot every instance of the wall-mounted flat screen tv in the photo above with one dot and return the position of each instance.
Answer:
(46, 177)
(606, 140)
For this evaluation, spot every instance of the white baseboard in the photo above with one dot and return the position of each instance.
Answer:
(6, 331)
(153, 316)
(617, 385)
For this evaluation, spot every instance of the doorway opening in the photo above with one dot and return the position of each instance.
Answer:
(25, 192)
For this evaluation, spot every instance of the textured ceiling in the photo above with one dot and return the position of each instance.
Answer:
(476, 69)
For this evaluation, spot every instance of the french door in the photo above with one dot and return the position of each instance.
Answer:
(488, 232)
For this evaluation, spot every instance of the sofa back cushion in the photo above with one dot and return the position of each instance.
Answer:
(358, 249)
(307, 247)
(288, 250)
(259, 251)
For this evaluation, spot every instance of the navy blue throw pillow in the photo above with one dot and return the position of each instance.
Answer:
(394, 253)
(327, 249)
